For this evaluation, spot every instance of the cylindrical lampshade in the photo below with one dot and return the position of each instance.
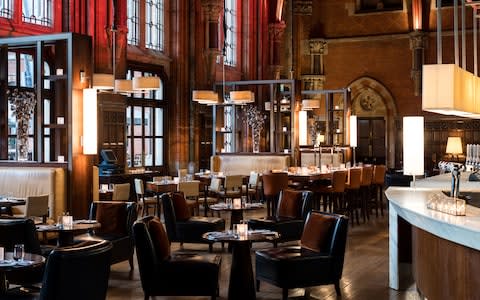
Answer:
(309, 104)
(353, 131)
(242, 97)
(302, 127)
(89, 121)
(454, 145)
(413, 145)
(123, 86)
(103, 81)
(205, 97)
(146, 83)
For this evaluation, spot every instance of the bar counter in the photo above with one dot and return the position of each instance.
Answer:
(445, 249)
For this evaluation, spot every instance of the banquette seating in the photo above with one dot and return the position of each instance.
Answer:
(243, 164)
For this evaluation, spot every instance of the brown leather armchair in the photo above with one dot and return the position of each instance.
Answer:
(317, 261)
(181, 226)
(163, 273)
(292, 210)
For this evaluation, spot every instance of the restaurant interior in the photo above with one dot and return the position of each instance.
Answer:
(227, 149)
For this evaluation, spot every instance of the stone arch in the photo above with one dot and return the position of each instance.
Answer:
(370, 98)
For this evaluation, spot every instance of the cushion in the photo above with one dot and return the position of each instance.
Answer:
(180, 206)
(317, 232)
(159, 239)
(112, 217)
(290, 204)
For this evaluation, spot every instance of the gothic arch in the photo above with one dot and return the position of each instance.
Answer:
(370, 98)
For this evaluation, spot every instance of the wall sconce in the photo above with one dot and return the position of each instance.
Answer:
(413, 146)
(89, 121)
(353, 135)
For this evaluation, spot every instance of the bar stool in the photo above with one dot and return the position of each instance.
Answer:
(353, 193)
(367, 174)
(334, 194)
(273, 183)
(378, 185)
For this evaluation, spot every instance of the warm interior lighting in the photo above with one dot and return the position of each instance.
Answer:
(449, 90)
(123, 86)
(353, 131)
(205, 97)
(454, 145)
(302, 127)
(89, 121)
(417, 14)
(103, 81)
(146, 83)
(242, 97)
(413, 145)
(309, 104)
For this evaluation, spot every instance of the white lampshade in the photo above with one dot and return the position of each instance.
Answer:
(309, 104)
(242, 97)
(302, 127)
(141, 83)
(205, 97)
(103, 81)
(89, 121)
(353, 131)
(123, 86)
(450, 90)
(454, 145)
(413, 145)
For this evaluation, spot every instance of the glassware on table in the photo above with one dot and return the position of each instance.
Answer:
(229, 202)
(19, 252)
(244, 201)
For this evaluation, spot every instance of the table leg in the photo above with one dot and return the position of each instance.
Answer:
(205, 202)
(3, 283)
(242, 284)
(65, 238)
(235, 217)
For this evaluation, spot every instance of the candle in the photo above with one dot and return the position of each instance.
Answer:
(237, 203)
(242, 230)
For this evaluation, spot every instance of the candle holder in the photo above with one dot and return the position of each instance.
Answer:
(451, 205)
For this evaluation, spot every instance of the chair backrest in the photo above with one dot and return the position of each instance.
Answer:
(294, 204)
(121, 192)
(326, 234)
(139, 189)
(339, 178)
(80, 272)
(273, 183)
(36, 206)
(19, 231)
(215, 185)
(116, 218)
(354, 178)
(233, 182)
(169, 216)
(379, 174)
(189, 188)
(182, 173)
(253, 180)
(367, 174)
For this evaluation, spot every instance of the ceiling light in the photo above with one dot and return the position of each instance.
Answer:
(146, 83)
(103, 81)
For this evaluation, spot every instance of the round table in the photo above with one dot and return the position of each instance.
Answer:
(30, 261)
(242, 283)
(66, 234)
(236, 212)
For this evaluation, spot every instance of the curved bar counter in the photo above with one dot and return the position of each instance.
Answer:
(444, 249)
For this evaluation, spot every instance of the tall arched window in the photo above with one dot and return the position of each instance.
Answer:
(151, 18)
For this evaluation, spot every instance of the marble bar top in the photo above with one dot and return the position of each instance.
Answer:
(410, 204)
(444, 182)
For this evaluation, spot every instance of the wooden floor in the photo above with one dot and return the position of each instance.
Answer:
(365, 273)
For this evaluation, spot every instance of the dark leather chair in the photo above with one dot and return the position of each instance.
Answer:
(273, 183)
(77, 273)
(116, 219)
(163, 273)
(181, 226)
(317, 261)
(292, 210)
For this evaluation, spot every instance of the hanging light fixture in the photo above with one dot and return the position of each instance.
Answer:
(142, 83)
(123, 86)
(103, 81)
(242, 97)
(309, 104)
(205, 97)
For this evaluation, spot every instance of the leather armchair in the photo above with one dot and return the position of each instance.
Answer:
(317, 261)
(77, 273)
(184, 228)
(116, 219)
(163, 273)
(292, 210)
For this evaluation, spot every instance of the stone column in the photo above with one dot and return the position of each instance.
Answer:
(418, 40)
(211, 13)
(275, 34)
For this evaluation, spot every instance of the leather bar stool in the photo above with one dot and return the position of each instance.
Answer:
(353, 193)
(367, 174)
(334, 194)
(378, 185)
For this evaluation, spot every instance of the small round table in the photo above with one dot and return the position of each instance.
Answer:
(66, 234)
(30, 261)
(242, 282)
(236, 213)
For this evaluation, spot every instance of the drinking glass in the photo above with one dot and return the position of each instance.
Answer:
(18, 251)
(229, 202)
(244, 201)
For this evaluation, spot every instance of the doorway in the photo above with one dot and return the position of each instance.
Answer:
(371, 140)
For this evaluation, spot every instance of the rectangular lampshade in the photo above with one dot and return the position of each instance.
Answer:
(450, 90)
(353, 131)
(413, 146)
(89, 121)
(454, 145)
(302, 127)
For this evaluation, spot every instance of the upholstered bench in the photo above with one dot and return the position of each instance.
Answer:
(243, 164)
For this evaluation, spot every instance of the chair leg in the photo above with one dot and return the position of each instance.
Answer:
(258, 285)
(130, 262)
(337, 288)
(284, 293)
(307, 293)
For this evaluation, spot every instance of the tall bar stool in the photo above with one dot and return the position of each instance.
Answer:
(367, 174)
(334, 194)
(273, 183)
(353, 193)
(378, 185)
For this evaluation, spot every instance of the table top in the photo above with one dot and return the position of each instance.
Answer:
(225, 207)
(77, 226)
(8, 202)
(30, 260)
(251, 236)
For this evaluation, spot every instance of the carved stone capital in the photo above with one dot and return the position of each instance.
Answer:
(276, 30)
(313, 82)
(302, 7)
(212, 9)
(318, 46)
(418, 39)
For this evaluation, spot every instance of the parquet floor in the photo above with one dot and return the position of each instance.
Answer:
(365, 273)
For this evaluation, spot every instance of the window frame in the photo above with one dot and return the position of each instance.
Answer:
(16, 21)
